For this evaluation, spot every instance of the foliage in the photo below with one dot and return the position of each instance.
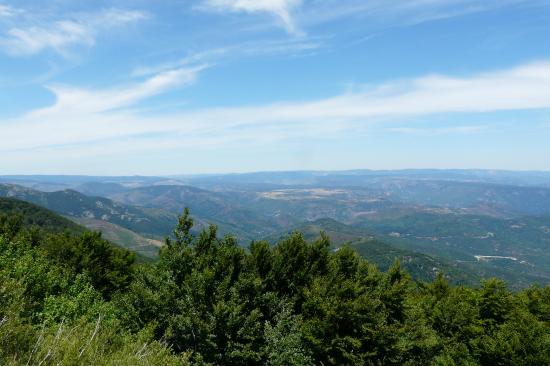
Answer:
(71, 203)
(26, 214)
(74, 299)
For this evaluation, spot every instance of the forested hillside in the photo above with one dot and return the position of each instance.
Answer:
(70, 299)
(472, 225)
(20, 213)
(420, 266)
(74, 204)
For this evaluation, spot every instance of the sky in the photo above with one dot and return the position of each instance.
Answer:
(137, 87)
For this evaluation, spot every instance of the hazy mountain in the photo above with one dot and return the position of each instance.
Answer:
(153, 222)
(425, 256)
(34, 215)
(421, 266)
(487, 198)
(368, 177)
(231, 211)
(474, 239)
(83, 183)
(123, 237)
(466, 218)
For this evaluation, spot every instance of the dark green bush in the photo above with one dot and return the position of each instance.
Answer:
(73, 299)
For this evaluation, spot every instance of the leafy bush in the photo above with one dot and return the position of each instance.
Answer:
(73, 299)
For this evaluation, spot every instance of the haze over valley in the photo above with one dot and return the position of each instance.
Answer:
(470, 224)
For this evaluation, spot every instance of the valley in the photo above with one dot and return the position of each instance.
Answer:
(466, 222)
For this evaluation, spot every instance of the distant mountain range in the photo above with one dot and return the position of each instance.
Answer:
(154, 222)
(473, 223)
(448, 247)
(34, 215)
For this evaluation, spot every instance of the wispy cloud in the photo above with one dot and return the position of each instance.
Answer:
(524, 87)
(204, 57)
(247, 49)
(281, 9)
(297, 16)
(6, 11)
(75, 101)
(401, 12)
(88, 119)
(28, 41)
(438, 131)
(32, 37)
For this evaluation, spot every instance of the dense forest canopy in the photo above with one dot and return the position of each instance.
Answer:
(72, 298)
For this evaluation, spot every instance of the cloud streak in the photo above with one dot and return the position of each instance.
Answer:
(287, 47)
(90, 119)
(438, 131)
(295, 16)
(85, 102)
(6, 11)
(281, 9)
(30, 38)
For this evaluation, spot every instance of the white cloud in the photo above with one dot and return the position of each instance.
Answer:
(89, 119)
(524, 87)
(82, 29)
(74, 101)
(401, 12)
(295, 15)
(438, 131)
(115, 17)
(281, 9)
(6, 11)
(293, 46)
(57, 36)
(193, 58)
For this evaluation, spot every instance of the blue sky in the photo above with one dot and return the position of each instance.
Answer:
(177, 87)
